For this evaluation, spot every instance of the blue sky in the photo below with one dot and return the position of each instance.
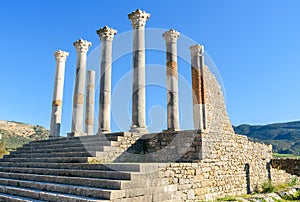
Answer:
(254, 44)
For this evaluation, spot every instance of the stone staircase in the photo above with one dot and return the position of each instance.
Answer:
(59, 170)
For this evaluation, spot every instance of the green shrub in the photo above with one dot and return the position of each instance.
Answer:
(295, 197)
(268, 187)
(3, 150)
(293, 182)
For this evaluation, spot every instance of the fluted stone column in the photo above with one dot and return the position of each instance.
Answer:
(82, 47)
(171, 37)
(106, 35)
(198, 85)
(60, 57)
(138, 20)
(90, 103)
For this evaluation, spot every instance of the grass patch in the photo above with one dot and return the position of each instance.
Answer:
(268, 187)
(295, 197)
(292, 156)
(293, 182)
(227, 198)
(281, 187)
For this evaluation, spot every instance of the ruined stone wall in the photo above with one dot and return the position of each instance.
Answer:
(292, 166)
(208, 164)
(208, 180)
(182, 146)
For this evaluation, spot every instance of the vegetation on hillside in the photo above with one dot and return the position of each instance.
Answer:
(3, 150)
(285, 137)
(15, 134)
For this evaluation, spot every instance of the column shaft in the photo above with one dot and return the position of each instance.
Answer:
(138, 85)
(78, 99)
(60, 57)
(199, 88)
(106, 35)
(90, 103)
(138, 21)
(171, 37)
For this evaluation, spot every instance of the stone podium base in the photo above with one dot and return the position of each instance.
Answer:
(75, 134)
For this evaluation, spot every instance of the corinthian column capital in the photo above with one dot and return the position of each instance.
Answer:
(61, 55)
(171, 35)
(106, 33)
(138, 18)
(82, 45)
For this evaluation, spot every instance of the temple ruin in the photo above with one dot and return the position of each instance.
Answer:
(201, 164)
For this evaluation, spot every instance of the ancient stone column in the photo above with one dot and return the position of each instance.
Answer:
(82, 47)
(171, 37)
(106, 35)
(90, 103)
(138, 20)
(60, 57)
(198, 86)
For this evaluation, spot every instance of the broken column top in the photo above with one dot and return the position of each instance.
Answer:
(106, 33)
(61, 55)
(82, 45)
(171, 35)
(197, 50)
(138, 18)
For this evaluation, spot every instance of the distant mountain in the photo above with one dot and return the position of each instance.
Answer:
(285, 137)
(15, 134)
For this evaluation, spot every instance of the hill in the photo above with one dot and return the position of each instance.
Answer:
(15, 134)
(285, 137)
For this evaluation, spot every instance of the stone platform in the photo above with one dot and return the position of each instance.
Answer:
(63, 170)
(85, 168)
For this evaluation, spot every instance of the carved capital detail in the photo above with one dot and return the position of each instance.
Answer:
(61, 55)
(82, 45)
(138, 18)
(197, 50)
(171, 35)
(106, 33)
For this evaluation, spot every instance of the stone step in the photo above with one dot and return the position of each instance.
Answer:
(49, 160)
(52, 155)
(96, 138)
(130, 167)
(139, 189)
(139, 181)
(74, 173)
(82, 138)
(157, 193)
(80, 181)
(84, 191)
(45, 195)
(106, 156)
(69, 149)
(12, 198)
(69, 142)
(70, 157)
(68, 145)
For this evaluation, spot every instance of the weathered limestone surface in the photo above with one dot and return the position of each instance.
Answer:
(106, 35)
(82, 47)
(199, 87)
(90, 103)
(205, 165)
(47, 166)
(171, 37)
(60, 57)
(138, 20)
